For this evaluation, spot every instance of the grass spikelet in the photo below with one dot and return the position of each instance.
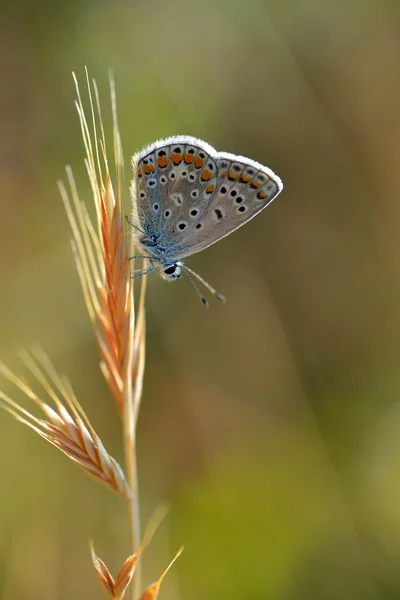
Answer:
(66, 426)
(116, 588)
(151, 593)
(101, 256)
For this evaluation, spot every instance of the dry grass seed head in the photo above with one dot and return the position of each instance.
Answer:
(117, 588)
(66, 426)
(101, 256)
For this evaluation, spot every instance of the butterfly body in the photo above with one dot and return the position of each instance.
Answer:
(187, 196)
(170, 269)
(157, 253)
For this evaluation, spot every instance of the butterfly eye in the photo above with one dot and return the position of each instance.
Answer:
(170, 270)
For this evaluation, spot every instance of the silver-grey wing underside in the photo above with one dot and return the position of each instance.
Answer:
(244, 188)
(187, 196)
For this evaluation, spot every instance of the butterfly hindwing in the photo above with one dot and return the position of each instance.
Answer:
(244, 188)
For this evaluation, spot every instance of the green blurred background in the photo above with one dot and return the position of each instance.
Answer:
(271, 425)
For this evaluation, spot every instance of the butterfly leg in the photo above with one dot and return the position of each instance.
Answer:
(141, 272)
(139, 256)
(133, 225)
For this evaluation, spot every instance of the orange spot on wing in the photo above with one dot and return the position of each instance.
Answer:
(210, 189)
(140, 173)
(162, 161)
(176, 158)
(148, 169)
(262, 195)
(245, 178)
(199, 162)
(206, 175)
(255, 184)
(188, 158)
(232, 175)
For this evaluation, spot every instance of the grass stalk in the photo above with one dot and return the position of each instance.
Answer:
(101, 251)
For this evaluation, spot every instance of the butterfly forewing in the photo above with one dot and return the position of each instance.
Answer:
(195, 182)
(175, 180)
(141, 190)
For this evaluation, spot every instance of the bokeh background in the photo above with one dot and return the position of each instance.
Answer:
(270, 425)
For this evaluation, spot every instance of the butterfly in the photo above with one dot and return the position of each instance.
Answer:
(187, 196)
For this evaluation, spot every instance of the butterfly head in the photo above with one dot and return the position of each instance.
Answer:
(172, 272)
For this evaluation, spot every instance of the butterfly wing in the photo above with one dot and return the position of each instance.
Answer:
(174, 180)
(146, 191)
(244, 188)
(187, 196)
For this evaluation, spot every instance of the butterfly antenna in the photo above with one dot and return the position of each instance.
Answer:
(207, 285)
(196, 287)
